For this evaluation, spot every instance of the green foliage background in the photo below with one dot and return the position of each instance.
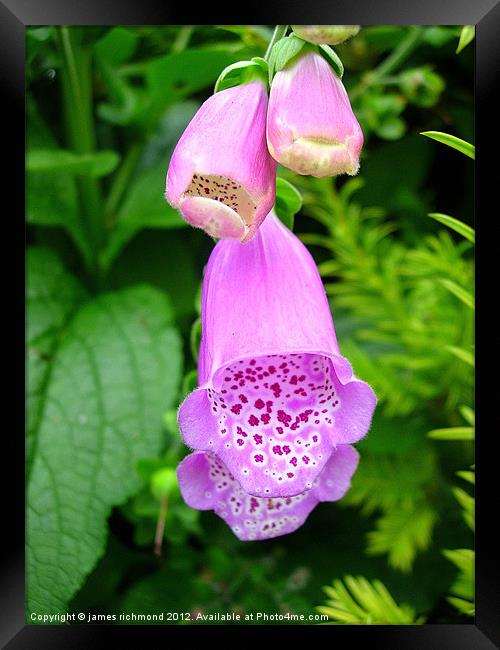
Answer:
(113, 327)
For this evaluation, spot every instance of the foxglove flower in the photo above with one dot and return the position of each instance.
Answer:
(221, 176)
(331, 34)
(275, 396)
(311, 128)
(206, 484)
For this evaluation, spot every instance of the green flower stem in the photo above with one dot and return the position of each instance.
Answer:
(279, 32)
(121, 182)
(160, 525)
(77, 95)
(392, 62)
(182, 39)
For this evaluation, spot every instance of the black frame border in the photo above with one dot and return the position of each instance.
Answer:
(15, 15)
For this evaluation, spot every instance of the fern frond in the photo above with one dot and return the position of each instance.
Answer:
(357, 601)
(401, 534)
(390, 482)
(468, 506)
(462, 590)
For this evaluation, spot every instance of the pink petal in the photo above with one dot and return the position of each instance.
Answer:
(206, 484)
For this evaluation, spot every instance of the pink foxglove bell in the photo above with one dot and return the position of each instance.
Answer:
(275, 395)
(221, 176)
(311, 128)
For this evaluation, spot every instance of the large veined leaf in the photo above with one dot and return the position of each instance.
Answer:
(53, 296)
(111, 375)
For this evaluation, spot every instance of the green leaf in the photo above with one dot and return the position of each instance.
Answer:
(356, 601)
(190, 382)
(175, 76)
(333, 59)
(463, 355)
(465, 296)
(468, 414)
(463, 586)
(468, 505)
(96, 164)
(165, 80)
(242, 72)
(53, 296)
(452, 433)
(456, 225)
(114, 373)
(462, 558)
(452, 141)
(401, 534)
(468, 476)
(463, 606)
(283, 52)
(127, 103)
(288, 202)
(195, 338)
(36, 38)
(52, 198)
(118, 45)
(466, 36)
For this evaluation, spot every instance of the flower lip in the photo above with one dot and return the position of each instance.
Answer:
(316, 156)
(216, 219)
(206, 484)
(204, 201)
(276, 419)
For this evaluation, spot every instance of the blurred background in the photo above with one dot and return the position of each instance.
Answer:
(114, 280)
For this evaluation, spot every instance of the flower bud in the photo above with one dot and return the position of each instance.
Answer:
(311, 128)
(329, 34)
